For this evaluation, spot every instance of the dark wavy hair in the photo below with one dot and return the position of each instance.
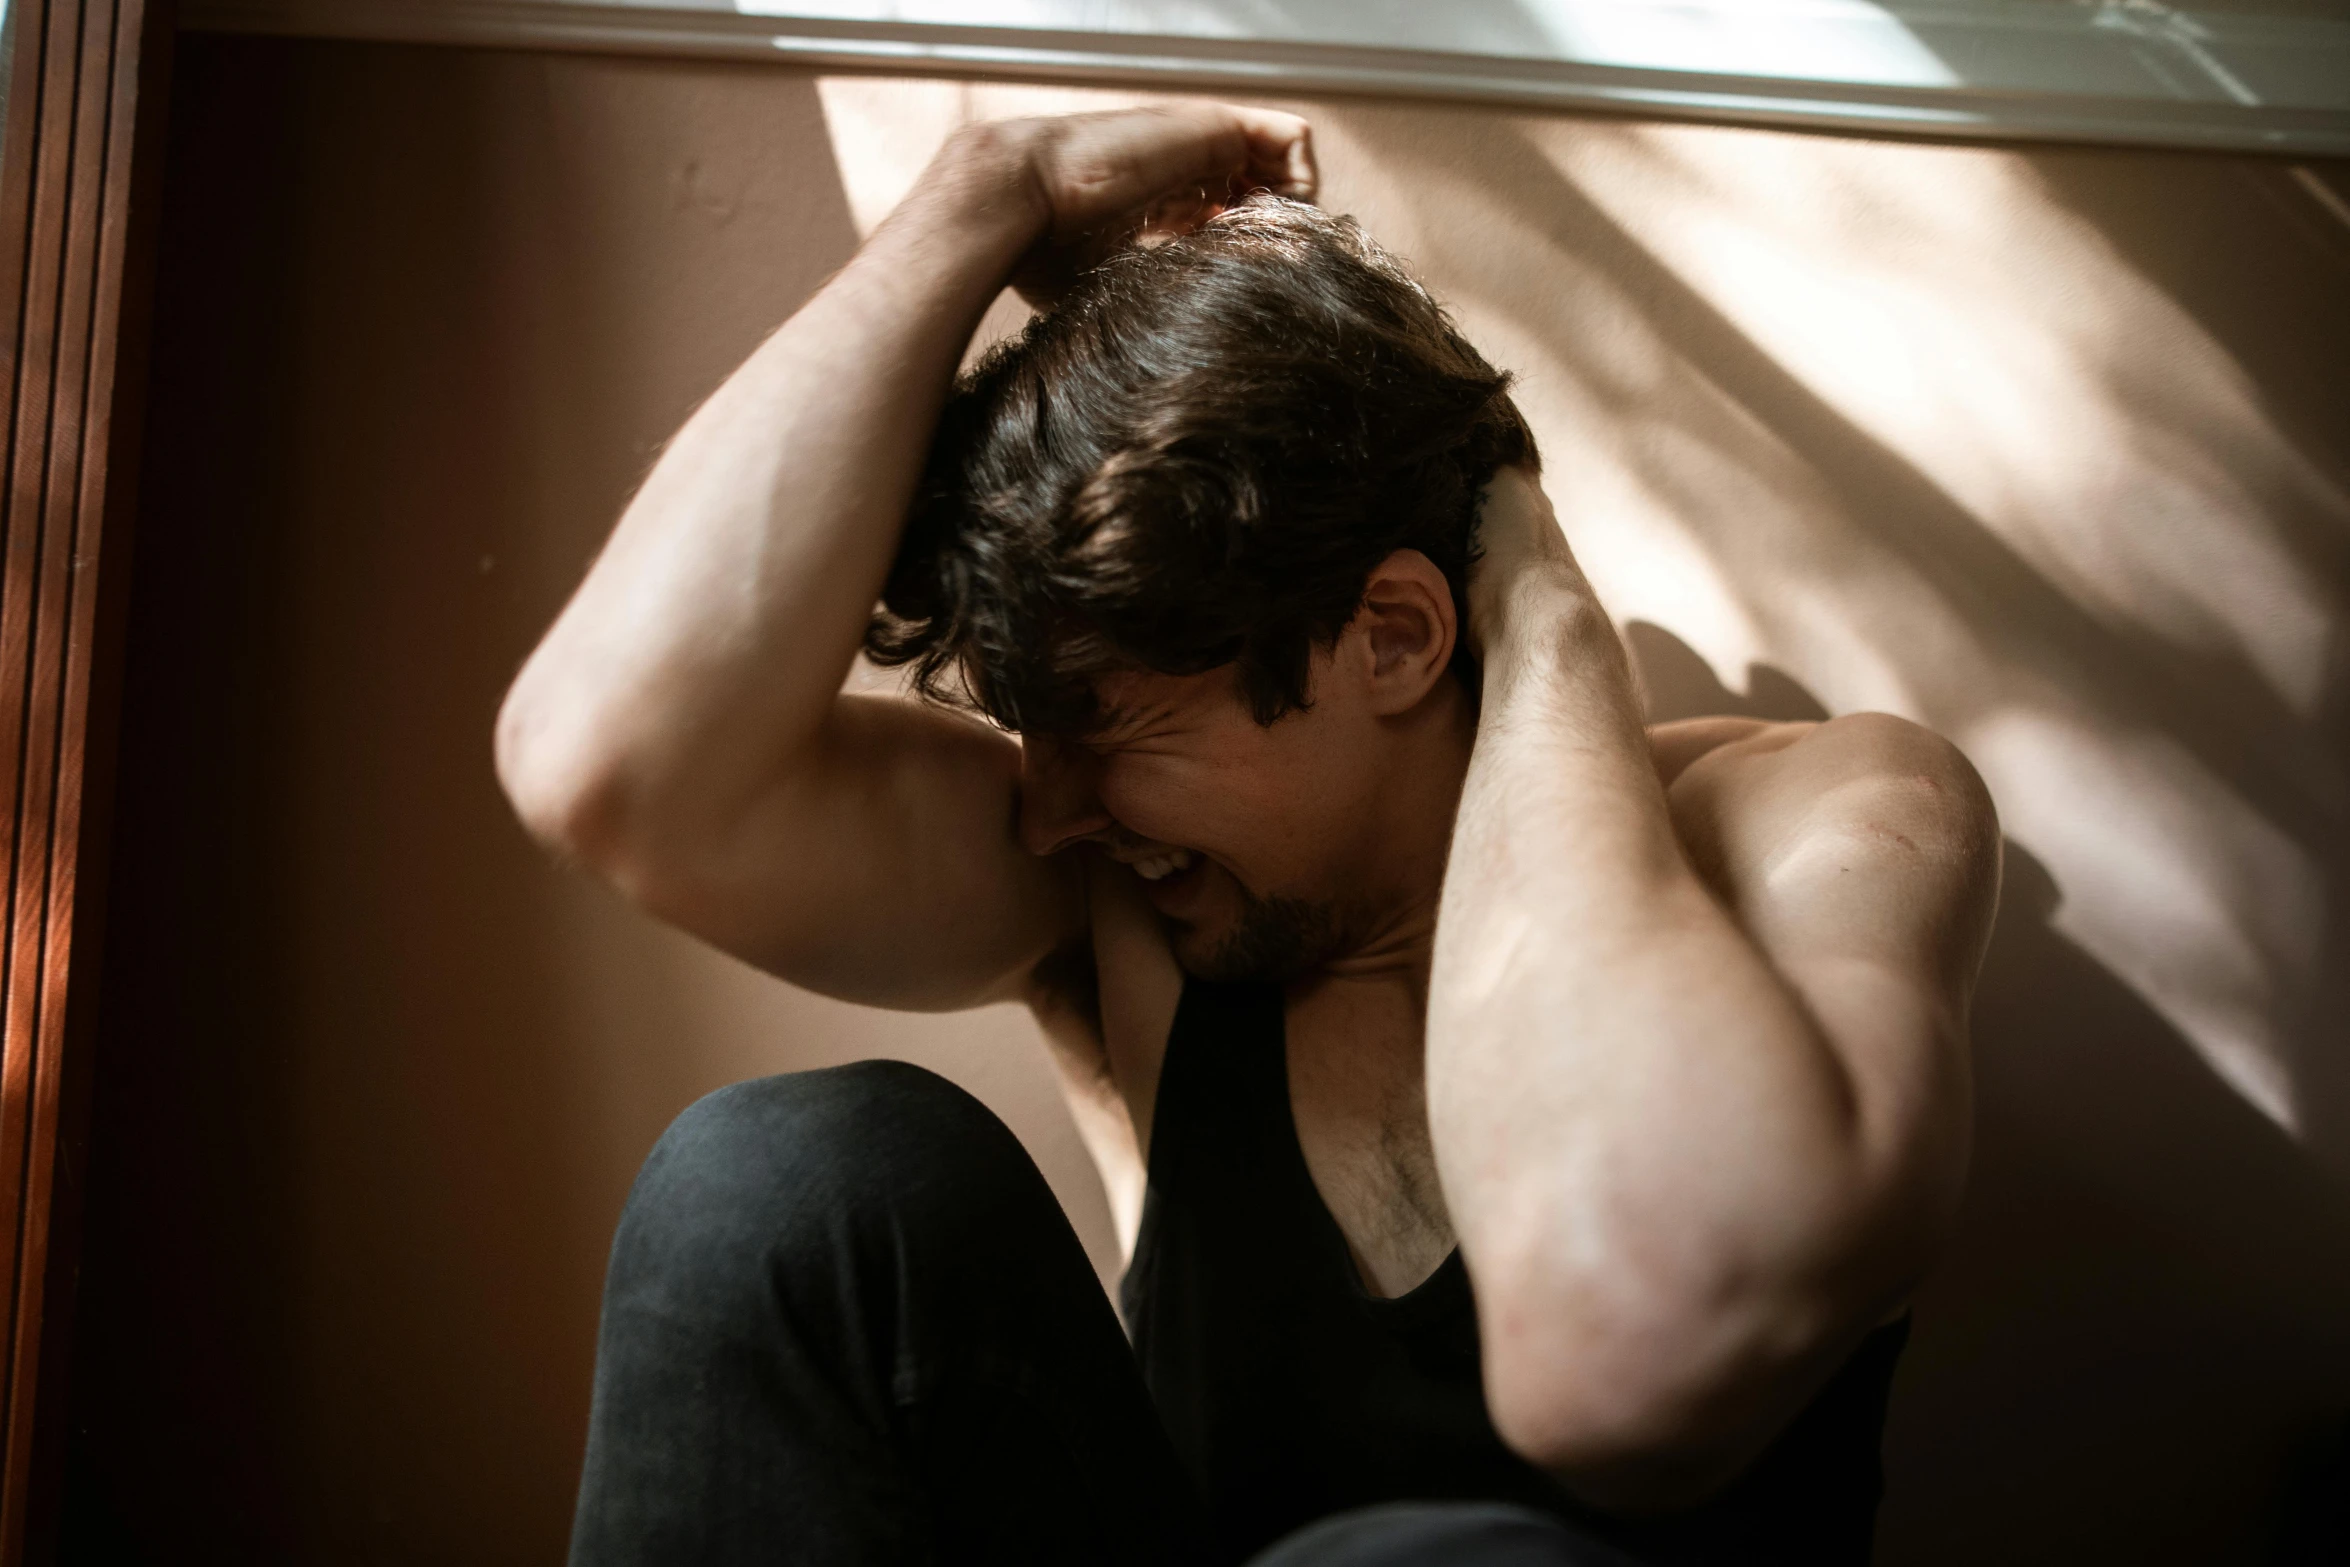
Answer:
(1195, 460)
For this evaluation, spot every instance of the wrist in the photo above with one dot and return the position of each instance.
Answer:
(1542, 617)
(982, 191)
(1531, 597)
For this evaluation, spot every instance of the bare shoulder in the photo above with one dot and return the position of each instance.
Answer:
(1892, 750)
(1862, 770)
(1895, 784)
(1868, 833)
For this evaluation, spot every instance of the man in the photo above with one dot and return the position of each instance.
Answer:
(1545, 1120)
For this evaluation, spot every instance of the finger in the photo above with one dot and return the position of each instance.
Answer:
(1276, 148)
(1281, 151)
(1125, 160)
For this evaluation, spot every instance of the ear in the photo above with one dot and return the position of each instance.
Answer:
(1407, 629)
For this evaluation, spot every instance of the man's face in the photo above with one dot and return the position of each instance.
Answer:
(1256, 842)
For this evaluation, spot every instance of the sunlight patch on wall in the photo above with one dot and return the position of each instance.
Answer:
(2026, 399)
(883, 132)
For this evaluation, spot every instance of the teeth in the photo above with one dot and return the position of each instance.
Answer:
(1160, 866)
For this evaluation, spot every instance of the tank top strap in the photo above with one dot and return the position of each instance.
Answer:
(1223, 1101)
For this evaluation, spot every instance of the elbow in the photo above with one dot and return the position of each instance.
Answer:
(1635, 1402)
(1645, 1389)
(566, 797)
(1581, 1404)
(1625, 1467)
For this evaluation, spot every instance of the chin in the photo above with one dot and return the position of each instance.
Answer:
(1200, 954)
(1270, 941)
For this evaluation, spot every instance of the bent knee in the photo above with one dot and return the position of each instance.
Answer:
(774, 1161)
(766, 1117)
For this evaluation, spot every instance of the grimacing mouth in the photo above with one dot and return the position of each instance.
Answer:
(1158, 866)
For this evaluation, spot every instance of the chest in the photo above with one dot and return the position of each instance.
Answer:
(1358, 1099)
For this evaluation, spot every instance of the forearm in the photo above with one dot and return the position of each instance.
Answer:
(707, 644)
(1638, 1128)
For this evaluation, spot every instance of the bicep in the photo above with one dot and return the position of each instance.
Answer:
(885, 869)
(1862, 859)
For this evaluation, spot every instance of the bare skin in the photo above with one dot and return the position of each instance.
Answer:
(1665, 1029)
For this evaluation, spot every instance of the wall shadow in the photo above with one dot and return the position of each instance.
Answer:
(1676, 682)
(2232, 288)
(264, 693)
(351, 1186)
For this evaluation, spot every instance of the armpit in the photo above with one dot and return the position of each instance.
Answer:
(1065, 990)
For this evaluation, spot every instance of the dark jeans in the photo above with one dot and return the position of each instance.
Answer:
(847, 1323)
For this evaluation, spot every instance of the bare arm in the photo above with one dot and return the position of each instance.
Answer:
(681, 732)
(1695, 1060)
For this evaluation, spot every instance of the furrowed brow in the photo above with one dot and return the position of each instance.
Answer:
(1111, 724)
(1116, 722)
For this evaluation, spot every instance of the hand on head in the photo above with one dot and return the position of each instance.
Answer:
(1096, 181)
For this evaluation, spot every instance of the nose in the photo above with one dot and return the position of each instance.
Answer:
(1059, 804)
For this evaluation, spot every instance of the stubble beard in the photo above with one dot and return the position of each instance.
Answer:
(1274, 940)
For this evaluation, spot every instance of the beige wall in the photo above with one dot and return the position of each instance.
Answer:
(2048, 449)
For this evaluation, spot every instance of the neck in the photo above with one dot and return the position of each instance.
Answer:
(1407, 841)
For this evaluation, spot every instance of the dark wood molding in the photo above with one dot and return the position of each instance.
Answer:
(76, 214)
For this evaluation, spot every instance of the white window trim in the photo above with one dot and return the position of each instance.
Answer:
(2131, 72)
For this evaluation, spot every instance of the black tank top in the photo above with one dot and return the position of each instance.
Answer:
(1292, 1392)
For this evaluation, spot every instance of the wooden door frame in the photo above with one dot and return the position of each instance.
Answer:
(78, 176)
